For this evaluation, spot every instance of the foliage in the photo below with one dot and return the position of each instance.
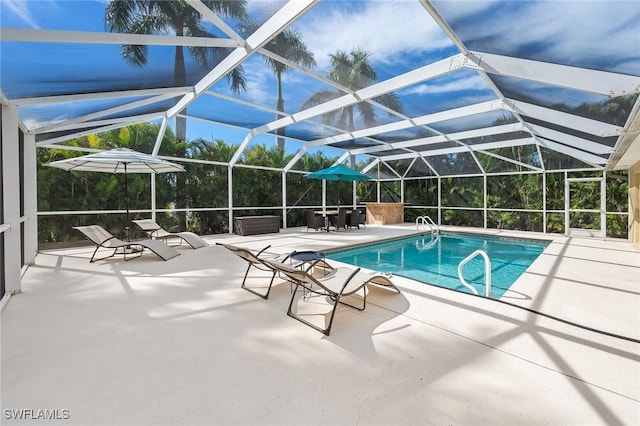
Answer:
(259, 191)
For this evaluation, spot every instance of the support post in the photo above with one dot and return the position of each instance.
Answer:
(11, 198)
(30, 200)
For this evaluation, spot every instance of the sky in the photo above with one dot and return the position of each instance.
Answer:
(399, 35)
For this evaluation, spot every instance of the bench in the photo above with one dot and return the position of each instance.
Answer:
(251, 225)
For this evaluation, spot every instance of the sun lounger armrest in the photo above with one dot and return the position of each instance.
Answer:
(260, 252)
(346, 282)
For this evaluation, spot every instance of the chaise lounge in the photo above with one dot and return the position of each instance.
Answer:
(340, 283)
(155, 231)
(104, 239)
(257, 261)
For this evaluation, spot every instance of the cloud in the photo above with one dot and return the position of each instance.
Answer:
(469, 82)
(593, 34)
(259, 83)
(389, 30)
(20, 9)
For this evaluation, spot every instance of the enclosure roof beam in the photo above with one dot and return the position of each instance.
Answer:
(572, 152)
(582, 79)
(124, 122)
(427, 72)
(216, 20)
(418, 121)
(586, 125)
(85, 120)
(84, 37)
(284, 17)
(176, 91)
(460, 149)
(487, 131)
(564, 138)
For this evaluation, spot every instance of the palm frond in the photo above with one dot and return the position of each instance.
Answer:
(320, 97)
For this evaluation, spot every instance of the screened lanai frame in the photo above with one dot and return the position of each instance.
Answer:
(597, 143)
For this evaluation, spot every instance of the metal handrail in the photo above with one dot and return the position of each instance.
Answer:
(487, 272)
(426, 220)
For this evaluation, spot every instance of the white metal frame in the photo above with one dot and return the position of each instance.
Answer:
(602, 211)
(599, 157)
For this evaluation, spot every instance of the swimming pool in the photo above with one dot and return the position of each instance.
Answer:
(434, 259)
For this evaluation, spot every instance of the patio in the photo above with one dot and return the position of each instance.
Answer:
(178, 342)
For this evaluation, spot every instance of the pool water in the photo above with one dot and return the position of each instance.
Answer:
(435, 259)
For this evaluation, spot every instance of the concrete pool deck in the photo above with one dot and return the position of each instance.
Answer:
(179, 343)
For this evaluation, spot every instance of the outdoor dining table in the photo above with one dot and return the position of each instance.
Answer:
(326, 214)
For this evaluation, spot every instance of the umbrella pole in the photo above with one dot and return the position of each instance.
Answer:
(126, 202)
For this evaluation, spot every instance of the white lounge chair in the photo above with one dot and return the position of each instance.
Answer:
(257, 260)
(104, 239)
(157, 232)
(339, 284)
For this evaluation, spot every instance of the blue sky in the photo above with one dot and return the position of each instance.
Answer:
(400, 36)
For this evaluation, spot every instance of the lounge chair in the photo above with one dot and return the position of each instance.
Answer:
(155, 231)
(103, 239)
(342, 282)
(257, 260)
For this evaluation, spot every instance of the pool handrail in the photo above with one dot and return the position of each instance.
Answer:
(487, 272)
(426, 220)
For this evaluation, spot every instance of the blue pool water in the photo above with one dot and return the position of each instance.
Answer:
(434, 260)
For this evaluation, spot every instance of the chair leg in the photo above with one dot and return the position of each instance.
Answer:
(250, 290)
(93, 259)
(360, 308)
(140, 252)
(335, 299)
(290, 313)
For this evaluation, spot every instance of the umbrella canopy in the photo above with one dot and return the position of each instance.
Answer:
(339, 173)
(118, 160)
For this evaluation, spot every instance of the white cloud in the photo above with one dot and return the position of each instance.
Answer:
(561, 31)
(20, 9)
(259, 87)
(468, 82)
(581, 31)
(387, 30)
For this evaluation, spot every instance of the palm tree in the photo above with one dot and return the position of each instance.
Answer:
(353, 71)
(289, 45)
(161, 16)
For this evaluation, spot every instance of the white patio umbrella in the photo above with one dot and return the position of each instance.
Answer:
(118, 160)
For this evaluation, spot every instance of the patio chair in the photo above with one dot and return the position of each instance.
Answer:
(314, 222)
(340, 220)
(362, 218)
(257, 260)
(354, 219)
(341, 283)
(104, 239)
(155, 231)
